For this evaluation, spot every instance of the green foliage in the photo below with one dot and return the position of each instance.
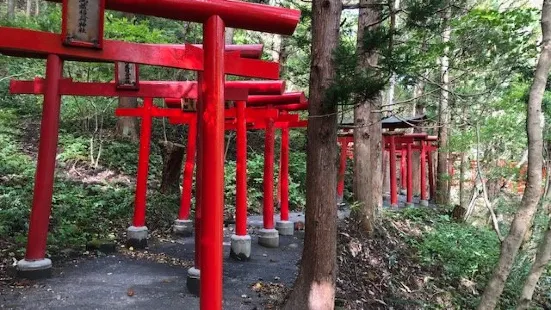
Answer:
(255, 182)
(461, 253)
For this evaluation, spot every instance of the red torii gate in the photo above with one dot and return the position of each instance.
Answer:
(212, 14)
(404, 143)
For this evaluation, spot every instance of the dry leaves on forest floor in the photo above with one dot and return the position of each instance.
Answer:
(381, 271)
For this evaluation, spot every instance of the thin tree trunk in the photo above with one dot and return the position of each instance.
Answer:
(368, 178)
(442, 194)
(541, 262)
(37, 8)
(127, 127)
(530, 199)
(419, 109)
(229, 36)
(11, 9)
(28, 8)
(314, 288)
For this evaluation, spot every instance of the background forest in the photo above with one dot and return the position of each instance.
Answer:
(466, 64)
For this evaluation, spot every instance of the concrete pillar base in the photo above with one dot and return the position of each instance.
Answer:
(410, 205)
(136, 237)
(424, 203)
(268, 238)
(34, 269)
(193, 282)
(240, 247)
(394, 206)
(183, 228)
(285, 228)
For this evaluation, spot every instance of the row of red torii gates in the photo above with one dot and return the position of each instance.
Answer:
(198, 104)
(397, 145)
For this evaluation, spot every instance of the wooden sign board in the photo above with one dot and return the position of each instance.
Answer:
(82, 23)
(189, 105)
(127, 75)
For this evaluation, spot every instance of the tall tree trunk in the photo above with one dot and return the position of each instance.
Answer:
(37, 8)
(173, 157)
(314, 288)
(418, 109)
(28, 8)
(442, 194)
(127, 127)
(368, 178)
(11, 9)
(532, 192)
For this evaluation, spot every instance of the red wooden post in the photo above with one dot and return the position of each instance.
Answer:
(35, 265)
(342, 169)
(194, 273)
(424, 201)
(403, 174)
(432, 189)
(183, 225)
(284, 226)
(136, 235)
(213, 161)
(241, 241)
(409, 194)
(268, 236)
(393, 183)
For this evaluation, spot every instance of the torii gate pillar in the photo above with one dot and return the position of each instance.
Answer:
(36, 265)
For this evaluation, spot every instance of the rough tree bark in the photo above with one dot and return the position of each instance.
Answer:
(173, 157)
(531, 197)
(442, 195)
(314, 288)
(127, 127)
(368, 177)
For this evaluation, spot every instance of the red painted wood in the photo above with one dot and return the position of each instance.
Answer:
(212, 235)
(423, 159)
(45, 169)
(268, 202)
(409, 194)
(286, 98)
(143, 164)
(284, 174)
(241, 172)
(31, 43)
(199, 174)
(236, 14)
(393, 181)
(151, 89)
(342, 168)
(187, 183)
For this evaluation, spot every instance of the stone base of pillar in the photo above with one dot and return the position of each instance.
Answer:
(394, 206)
(183, 228)
(424, 203)
(410, 205)
(193, 282)
(34, 269)
(240, 247)
(268, 238)
(136, 237)
(285, 228)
